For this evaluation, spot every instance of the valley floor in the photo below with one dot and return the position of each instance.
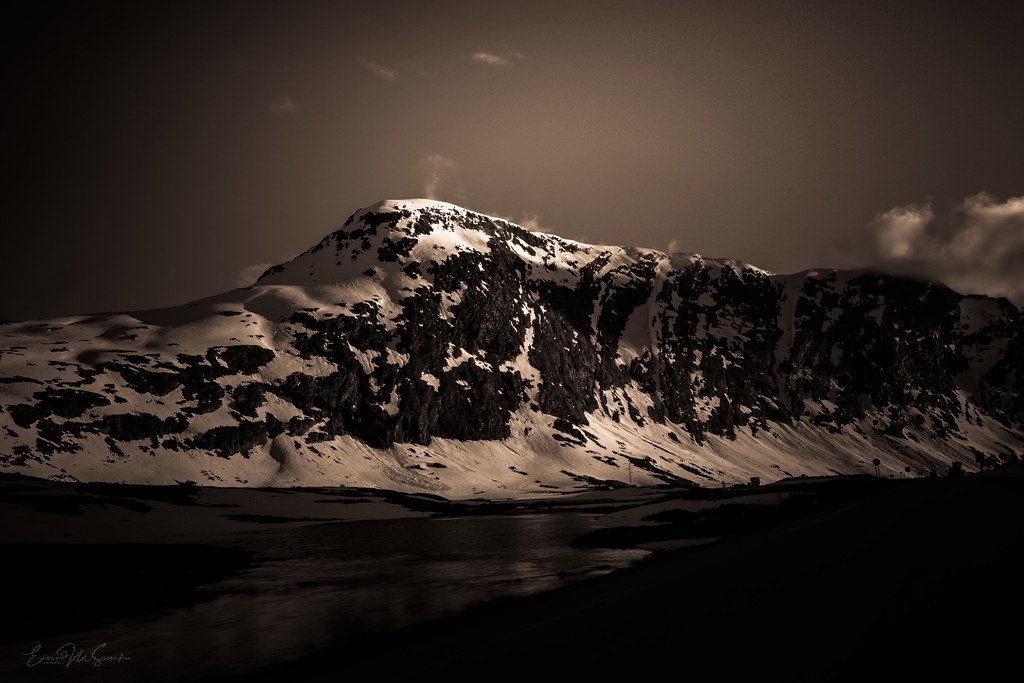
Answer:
(918, 579)
(812, 578)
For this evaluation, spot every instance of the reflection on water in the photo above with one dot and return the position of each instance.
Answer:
(318, 583)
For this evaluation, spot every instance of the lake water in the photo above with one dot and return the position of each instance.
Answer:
(314, 585)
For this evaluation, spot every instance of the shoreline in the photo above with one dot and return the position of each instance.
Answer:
(752, 571)
(691, 608)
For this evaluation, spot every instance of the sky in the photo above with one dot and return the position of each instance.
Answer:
(160, 152)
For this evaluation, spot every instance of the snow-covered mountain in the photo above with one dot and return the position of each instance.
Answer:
(426, 347)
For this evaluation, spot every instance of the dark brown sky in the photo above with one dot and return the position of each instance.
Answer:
(156, 152)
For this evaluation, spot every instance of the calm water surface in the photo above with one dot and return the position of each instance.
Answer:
(313, 585)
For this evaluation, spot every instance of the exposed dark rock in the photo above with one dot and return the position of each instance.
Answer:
(249, 397)
(136, 426)
(570, 332)
(227, 441)
(66, 403)
(207, 395)
(246, 359)
(147, 381)
(298, 426)
(16, 379)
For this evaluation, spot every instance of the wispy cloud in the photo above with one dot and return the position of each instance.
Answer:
(384, 73)
(490, 59)
(247, 276)
(494, 59)
(531, 221)
(674, 246)
(283, 106)
(439, 173)
(977, 247)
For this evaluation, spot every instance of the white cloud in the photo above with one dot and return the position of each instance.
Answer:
(384, 73)
(248, 275)
(492, 59)
(283, 106)
(439, 174)
(898, 230)
(978, 247)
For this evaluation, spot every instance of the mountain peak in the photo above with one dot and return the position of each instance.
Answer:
(412, 204)
(420, 232)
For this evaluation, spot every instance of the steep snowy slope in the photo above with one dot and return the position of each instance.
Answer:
(426, 347)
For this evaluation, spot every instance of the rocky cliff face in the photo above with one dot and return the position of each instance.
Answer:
(423, 346)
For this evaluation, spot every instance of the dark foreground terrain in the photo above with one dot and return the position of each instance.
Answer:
(807, 579)
(918, 578)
